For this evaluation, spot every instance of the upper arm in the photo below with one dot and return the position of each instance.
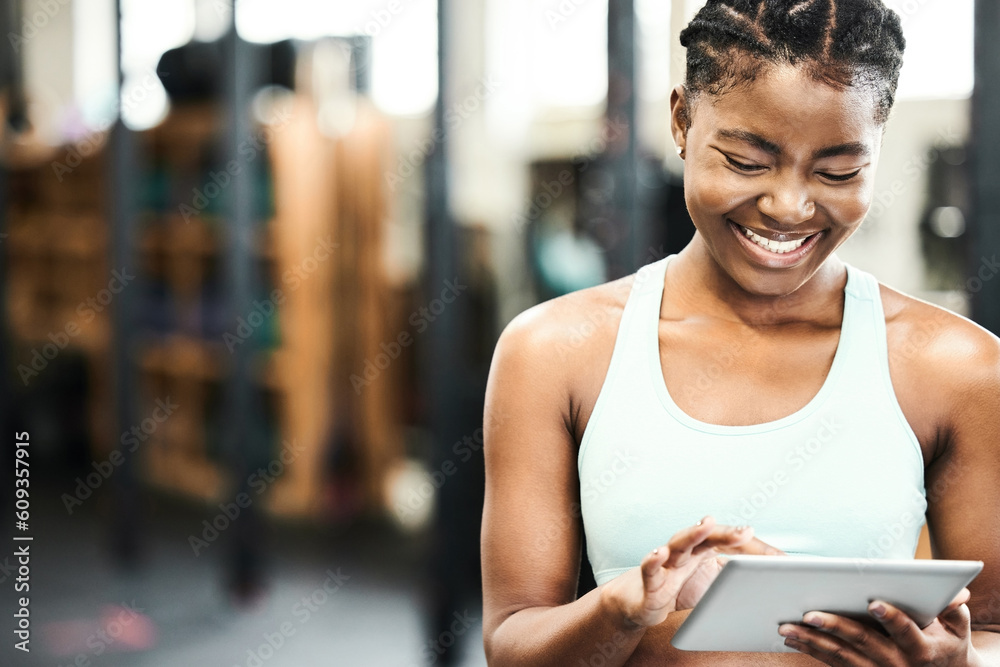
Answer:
(530, 533)
(963, 484)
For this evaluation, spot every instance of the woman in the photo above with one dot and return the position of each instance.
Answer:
(754, 378)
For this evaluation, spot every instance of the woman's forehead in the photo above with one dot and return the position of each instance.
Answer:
(788, 104)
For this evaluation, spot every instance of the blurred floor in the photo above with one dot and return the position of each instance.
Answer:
(370, 612)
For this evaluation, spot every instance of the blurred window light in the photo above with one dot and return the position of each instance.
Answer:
(149, 28)
(569, 51)
(948, 222)
(655, 42)
(212, 19)
(403, 33)
(939, 48)
(549, 54)
(95, 62)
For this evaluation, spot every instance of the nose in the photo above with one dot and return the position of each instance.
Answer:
(788, 203)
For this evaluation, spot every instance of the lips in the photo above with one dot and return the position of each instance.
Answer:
(778, 247)
(773, 249)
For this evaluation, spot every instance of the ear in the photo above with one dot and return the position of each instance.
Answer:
(680, 116)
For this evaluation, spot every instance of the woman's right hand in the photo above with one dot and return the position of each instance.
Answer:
(676, 575)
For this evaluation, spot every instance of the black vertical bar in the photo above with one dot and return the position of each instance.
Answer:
(12, 67)
(440, 247)
(984, 281)
(243, 440)
(623, 153)
(122, 182)
(442, 359)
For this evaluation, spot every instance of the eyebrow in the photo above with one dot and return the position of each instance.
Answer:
(851, 148)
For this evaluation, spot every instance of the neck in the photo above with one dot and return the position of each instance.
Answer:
(700, 285)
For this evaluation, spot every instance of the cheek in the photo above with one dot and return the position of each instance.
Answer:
(849, 206)
(713, 194)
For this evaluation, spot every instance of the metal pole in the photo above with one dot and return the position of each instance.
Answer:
(122, 161)
(244, 441)
(984, 280)
(440, 246)
(623, 153)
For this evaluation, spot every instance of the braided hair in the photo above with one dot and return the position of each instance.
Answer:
(841, 42)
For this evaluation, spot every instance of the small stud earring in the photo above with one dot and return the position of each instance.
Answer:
(680, 152)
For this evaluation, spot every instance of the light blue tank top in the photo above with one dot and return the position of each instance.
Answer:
(843, 476)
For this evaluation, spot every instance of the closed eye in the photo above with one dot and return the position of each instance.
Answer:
(840, 178)
(742, 166)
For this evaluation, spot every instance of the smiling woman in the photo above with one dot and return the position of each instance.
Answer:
(714, 372)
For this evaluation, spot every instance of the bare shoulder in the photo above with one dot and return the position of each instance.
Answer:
(565, 343)
(551, 331)
(931, 336)
(945, 364)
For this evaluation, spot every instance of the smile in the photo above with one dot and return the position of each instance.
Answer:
(777, 247)
(780, 251)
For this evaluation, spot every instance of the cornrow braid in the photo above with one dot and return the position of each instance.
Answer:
(842, 43)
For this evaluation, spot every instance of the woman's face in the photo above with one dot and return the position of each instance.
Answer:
(777, 175)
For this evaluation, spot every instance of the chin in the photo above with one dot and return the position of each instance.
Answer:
(769, 282)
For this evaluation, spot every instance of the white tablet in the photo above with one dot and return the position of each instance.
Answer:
(753, 595)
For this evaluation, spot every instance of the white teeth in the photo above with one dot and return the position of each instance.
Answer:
(777, 247)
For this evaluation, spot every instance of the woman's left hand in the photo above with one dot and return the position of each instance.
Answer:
(840, 642)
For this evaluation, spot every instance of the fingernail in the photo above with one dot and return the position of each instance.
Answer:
(814, 621)
(788, 633)
(740, 529)
(878, 611)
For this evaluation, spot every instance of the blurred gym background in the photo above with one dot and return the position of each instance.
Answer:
(255, 261)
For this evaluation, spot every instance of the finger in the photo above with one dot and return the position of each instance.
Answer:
(826, 648)
(864, 639)
(754, 547)
(956, 617)
(725, 538)
(719, 538)
(901, 628)
(679, 544)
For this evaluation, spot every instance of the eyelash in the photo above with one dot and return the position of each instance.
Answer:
(751, 168)
(744, 167)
